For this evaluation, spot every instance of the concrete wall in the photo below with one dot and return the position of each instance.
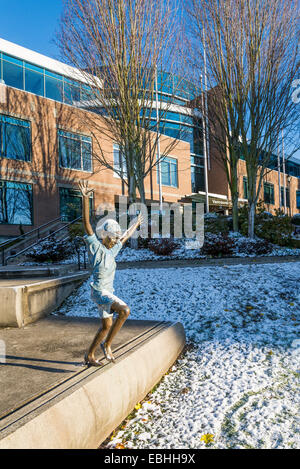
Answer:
(23, 304)
(82, 415)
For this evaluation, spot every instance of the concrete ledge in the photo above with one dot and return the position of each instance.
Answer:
(81, 412)
(23, 304)
(31, 272)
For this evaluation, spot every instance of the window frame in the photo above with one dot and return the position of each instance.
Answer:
(287, 196)
(77, 194)
(170, 161)
(245, 188)
(5, 181)
(78, 138)
(121, 168)
(4, 118)
(270, 186)
(298, 198)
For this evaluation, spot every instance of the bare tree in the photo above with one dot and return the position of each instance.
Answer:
(251, 48)
(120, 47)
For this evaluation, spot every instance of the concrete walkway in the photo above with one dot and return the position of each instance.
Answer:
(167, 263)
(33, 271)
(44, 385)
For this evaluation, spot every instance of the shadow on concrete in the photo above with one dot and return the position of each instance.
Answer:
(40, 368)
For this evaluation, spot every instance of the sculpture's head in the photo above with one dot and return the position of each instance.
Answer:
(110, 232)
(109, 242)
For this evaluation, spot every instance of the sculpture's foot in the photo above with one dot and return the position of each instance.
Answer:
(107, 353)
(91, 361)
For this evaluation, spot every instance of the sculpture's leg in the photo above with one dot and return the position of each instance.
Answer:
(99, 337)
(123, 312)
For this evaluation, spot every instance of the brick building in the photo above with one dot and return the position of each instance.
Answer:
(41, 119)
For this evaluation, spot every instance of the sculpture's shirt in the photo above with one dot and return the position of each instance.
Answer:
(103, 262)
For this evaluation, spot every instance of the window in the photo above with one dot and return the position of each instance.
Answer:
(71, 92)
(268, 193)
(298, 199)
(197, 173)
(119, 162)
(75, 151)
(15, 203)
(29, 77)
(34, 80)
(15, 138)
(287, 194)
(245, 187)
(53, 87)
(169, 173)
(13, 72)
(71, 203)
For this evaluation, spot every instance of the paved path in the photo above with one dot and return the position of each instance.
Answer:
(159, 264)
(51, 351)
(145, 264)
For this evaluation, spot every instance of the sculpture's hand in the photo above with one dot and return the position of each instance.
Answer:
(140, 219)
(84, 188)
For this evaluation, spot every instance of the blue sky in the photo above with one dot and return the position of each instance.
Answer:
(31, 24)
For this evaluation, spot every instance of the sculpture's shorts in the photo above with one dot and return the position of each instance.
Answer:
(104, 299)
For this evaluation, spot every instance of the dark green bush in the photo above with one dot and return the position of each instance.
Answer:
(296, 220)
(76, 229)
(277, 230)
(162, 246)
(218, 245)
(219, 224)
(260, 214)
(51, 250)
(254, 246)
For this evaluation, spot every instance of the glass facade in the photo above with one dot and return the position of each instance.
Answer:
(119, 162)
(175, 86)
(169, 172)
(38, 80)
(268, 193)
(287, 194)
(182, 125)
(75, 151)
(298, 199)
(245, 187)
(197, 173)
(293, 169)
(15, 138)
(71, 204)
(15, 203)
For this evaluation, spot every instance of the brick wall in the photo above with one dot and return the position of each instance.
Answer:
(44, 173)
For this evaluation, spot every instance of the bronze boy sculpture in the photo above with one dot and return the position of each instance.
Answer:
(102, 257)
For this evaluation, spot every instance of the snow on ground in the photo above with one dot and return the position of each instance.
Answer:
(183, 251)
(236, 385)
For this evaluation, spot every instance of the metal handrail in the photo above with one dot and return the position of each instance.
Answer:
(23, 236)
(42, 239)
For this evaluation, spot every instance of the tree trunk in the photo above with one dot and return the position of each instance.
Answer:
(251, 173)
(251, 219)
(132, 199)
(235, 212)
(141, 189)
(234, 197)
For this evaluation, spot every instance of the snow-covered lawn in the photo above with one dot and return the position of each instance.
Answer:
(183, 251)
(236, 385)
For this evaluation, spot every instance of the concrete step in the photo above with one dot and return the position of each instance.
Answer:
(23, 301)
(24, 271)
(49, 400)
